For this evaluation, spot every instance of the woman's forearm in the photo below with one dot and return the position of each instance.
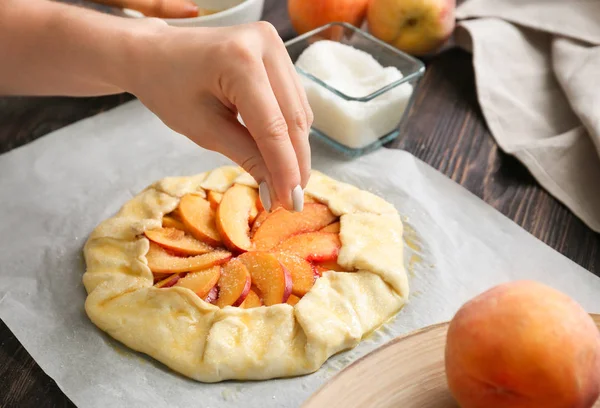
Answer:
(48, 48)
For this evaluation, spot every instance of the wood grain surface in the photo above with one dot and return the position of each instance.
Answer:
(444, 128)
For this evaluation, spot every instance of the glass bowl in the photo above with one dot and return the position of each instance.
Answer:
(357, 124)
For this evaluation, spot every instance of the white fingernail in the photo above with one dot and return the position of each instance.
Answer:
(265, 195)
(298, 199)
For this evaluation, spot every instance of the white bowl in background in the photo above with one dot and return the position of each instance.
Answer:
(234, 12)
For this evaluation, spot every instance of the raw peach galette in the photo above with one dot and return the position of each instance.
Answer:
(195, 273)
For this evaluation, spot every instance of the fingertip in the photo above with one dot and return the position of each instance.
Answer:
(286, 191)
(298, 198)
(190, 10)
(265, 196)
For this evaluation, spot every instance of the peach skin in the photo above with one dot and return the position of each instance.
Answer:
(522, 345)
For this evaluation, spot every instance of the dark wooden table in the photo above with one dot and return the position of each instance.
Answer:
(445, 128)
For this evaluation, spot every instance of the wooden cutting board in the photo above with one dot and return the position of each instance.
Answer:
(407, 372)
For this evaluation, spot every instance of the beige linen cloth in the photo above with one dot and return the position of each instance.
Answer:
(537, 70)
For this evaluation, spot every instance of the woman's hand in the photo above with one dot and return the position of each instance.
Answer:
(197, 80)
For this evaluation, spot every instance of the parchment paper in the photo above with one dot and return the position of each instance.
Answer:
(57, 189)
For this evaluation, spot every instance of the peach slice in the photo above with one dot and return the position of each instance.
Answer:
(234, 284)
(319, 270)
(332, 266)
(160, 276)
(260, 218)
(201, 282)
(313, 246)
(169, 281)
(199, 219)
(333, 227)
(170, 221)
(271, 278)
(282, 224)
(303, 274)
(259, 205)
(293, 300)
(215, 199)
(253, 214)
(160, 261)
(233, 214)
(212, 295)
(175, 213)
(252, 300)
(177, 241)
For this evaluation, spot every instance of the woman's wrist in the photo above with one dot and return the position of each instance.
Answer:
(134, 51)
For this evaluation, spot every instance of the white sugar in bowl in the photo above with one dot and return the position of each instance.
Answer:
(359, 88)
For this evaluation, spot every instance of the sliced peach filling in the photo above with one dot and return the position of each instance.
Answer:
(234, 284)
(232, 253)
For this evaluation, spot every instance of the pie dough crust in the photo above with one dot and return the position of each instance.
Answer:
(209, 344)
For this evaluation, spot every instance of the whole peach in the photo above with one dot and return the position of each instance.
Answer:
(523, 344)
(306, 15)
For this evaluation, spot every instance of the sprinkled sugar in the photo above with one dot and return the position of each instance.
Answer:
(355, 73)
